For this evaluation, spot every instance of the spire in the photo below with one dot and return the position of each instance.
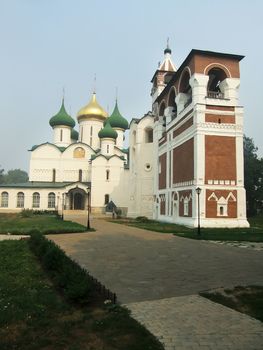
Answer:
(116, 99)
(94, 86)
(167, 63)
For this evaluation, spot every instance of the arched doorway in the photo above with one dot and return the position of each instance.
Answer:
(77, 199)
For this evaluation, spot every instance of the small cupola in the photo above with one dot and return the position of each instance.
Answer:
(108, 132)
(62, 118)
(117, 120)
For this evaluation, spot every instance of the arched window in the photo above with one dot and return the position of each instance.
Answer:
(51, 200)
(148, 135)
(107, 175)
(80, 175)
(216, 76)
(79, 152)
(185, 88)
(171, 103)
(161, 109)
(4, 199)
(107, 199)
(20, 200)
(36, 200)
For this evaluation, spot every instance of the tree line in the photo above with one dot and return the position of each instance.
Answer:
(13, 176)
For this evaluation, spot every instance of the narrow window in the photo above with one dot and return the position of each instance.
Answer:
(20, 200)
(61, 135)
(148, 135)
(186, 207)
(54, 175)
(221, 210)
(107, 198)
(81, 134)
(4, 199)
(80, 175)
(107, 175)
(51, 200)
(91, 130)
(36, 200)
(108, 148)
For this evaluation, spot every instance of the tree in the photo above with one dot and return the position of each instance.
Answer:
(253, 177)
(15, 176)
(1, 175)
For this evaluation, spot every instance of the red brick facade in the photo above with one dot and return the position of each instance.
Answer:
(162, 171)
(183, 162)
(220, 158)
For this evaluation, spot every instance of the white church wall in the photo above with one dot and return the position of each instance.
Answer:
(112, 184)
(142, 169)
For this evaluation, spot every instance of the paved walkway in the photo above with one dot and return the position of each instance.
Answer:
(158, 276)
(4, 237)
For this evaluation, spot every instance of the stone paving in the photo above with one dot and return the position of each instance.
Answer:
(4, 237)
(158, 276)
(196, 323)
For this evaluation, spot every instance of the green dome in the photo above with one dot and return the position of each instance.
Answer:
(117, 120)
(107, 131)
(62, 118)
(74, 135)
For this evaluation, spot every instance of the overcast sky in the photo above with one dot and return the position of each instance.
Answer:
(46, 45)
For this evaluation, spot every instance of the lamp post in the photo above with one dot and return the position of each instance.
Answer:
(88, 220)
(198, 191)
(62, 216)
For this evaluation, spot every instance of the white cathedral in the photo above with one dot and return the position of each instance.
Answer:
(192, 139)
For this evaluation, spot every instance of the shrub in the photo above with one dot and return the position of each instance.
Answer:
(142, 219)
(26, 213)
(67, 275)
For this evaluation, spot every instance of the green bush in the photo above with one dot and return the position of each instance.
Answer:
(66, 274)
(142, 219)
(26, 213)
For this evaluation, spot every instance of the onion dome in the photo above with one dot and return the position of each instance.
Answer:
(167, 50)
(62, 118)
(74, 135)
(92, 110)
(107, 132)
(117, 120)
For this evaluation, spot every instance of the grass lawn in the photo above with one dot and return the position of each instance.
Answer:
(33, 315)
(248, 300)
(251, 234)
(45, 223)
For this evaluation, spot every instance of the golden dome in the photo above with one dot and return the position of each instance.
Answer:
(93, 109)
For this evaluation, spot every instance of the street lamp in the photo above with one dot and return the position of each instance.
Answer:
(88, 221)
(62, 216)
(198, 191)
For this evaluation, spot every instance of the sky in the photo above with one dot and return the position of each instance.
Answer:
(48, 45)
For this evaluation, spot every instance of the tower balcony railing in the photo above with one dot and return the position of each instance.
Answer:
(215, 94)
